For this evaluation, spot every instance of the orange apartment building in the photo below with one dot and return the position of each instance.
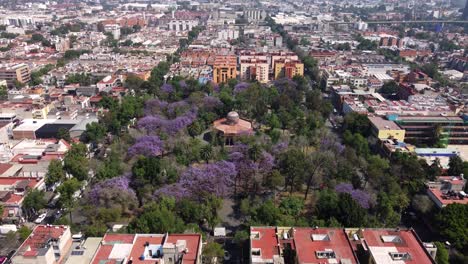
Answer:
(224, 68)
(288, 69)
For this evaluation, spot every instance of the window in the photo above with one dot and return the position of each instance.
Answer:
(327, 254)
(255, 235)
(320, 237)
(391, 239)
(400, 255)
(256, 252)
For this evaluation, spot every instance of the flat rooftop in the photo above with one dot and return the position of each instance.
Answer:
(85, 253)
(383, 242)
(383, 124)
(310, 241)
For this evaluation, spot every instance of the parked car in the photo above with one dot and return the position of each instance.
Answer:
(40, 218)
(227, 255)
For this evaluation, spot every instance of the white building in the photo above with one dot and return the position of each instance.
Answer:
(182, 25)
(114, 29)
(228, 34)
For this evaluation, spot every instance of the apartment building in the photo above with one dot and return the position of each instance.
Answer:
(254, 69)
(447, 190)
(288, 69)
(149, 248)
(336, 245)
(451, 129)
(224, 68)
(17, 72)
(385, 129)
(46, 245)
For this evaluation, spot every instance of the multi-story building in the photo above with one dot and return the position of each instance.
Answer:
(390, 41)
(299, 245)
(114, 29)
(149, 248)
(288, 69)
(183, 20)
(255, 15)
(45, 245)
(12, 73)
(449, 129)
(447, 190)
(385, 129)
(390, 246)
(337, 245)
(224, 68)
(253, 69)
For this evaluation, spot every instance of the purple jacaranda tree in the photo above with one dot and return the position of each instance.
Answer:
(147, 146)
(113, 193)
(211, 102)
(240, 87)
(158, 123)
(177, 108)
(284, 83)
(183, 84)
(216, 87)
(167, 88)
(171, 110)
(327, 144)
(266, 162)
(249, 171)
(198, 181)
(360, 196)
(155, 106)
(279, 148)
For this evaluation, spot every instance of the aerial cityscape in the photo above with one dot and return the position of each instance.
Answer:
(244, 131)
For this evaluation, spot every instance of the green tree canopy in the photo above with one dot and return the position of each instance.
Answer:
(452, 224)
(55, 173)
(34, 201)
(76, 162)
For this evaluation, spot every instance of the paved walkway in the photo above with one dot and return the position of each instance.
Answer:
(229, 218)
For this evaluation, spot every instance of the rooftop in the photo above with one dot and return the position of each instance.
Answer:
(310, 242)
(383, 124)
(233, 125)
(382, 243)
(147, 248)
(39, 239)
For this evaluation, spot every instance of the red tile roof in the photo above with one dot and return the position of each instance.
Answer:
(139, 247)
(439, 195)
(306, 247)
(409, 243)
(33, 182)
(118, 238)
(137, 243)
(4, 167)
(102, 254)
(241, 127)
(40, 236)
(267, 243)
(193, 242)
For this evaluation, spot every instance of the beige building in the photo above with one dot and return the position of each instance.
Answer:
(253, 69)
(12, 73)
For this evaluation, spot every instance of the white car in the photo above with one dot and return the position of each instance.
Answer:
(227, 255)
(40, 218)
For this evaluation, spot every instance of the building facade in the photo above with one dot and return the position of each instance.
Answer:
(254, 69)
(288, 69)
(12, 73)
(224, 68)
